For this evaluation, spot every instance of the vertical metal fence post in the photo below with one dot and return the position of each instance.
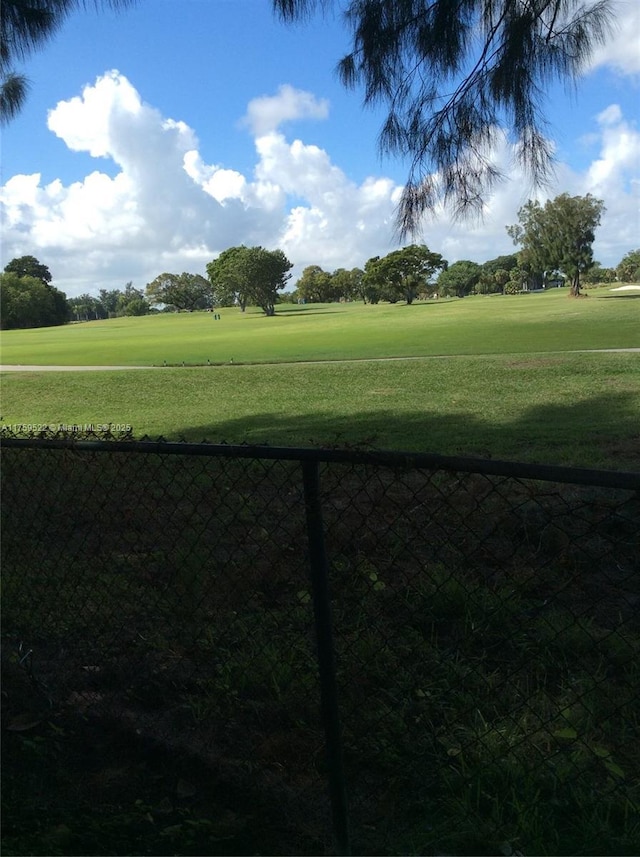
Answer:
(326, 655)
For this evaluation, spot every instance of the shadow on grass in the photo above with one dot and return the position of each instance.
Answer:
(443, 301)
(602, 431)
(624, 297)
(314, 310)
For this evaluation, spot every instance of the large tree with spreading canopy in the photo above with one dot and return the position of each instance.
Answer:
(27, 298)
(249, 275)
(558, 236)
(181, 291)
(404, 274)
(29, 266)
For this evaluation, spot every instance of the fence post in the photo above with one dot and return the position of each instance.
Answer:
(318, 567)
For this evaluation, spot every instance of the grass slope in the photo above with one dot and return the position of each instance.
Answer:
(501, 396)
(564, 408)
(480, 325)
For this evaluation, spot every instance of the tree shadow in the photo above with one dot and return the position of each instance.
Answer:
(309, 308)
(439, 302)
(601, 431)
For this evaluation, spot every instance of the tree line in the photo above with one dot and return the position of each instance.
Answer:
(240, 276)
(28, 299)
(555, 247)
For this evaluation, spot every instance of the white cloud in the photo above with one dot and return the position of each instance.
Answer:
(615, 177)
(611, 115)
(267, 113)
(166, 209)
(621, 51)
(85, 122)
(619, 154)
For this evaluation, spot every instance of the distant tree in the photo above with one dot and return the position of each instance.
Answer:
(459, 279)
(78, 308)
(341, 285)
(412, 269)
(86, 307)
(598, 274)
(26, 25)
(225, 275)
(109, 300)
(250, 275)
(28, 266)
(269, 272)
(136, 306)
(495, 274)
(315, 285)
(344, 285)
(501, 278)
(628, 270)
(132, 301)
(492, 283)
(518, 279)
(501, 263)
(28, 302)
(372, 283)
(558, 236)
(357, 278)
(182, 291)
(451, 72)
(404, 274)
(26, 305)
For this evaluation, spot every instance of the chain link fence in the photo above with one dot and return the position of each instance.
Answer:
(395, 654)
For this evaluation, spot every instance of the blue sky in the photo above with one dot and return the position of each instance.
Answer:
(155, 137)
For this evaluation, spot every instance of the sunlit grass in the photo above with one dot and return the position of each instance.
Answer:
(506, 385)
(478, 325)
(579, 409)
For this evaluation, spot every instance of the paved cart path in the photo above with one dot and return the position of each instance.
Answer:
(23, 367)
(20, 367)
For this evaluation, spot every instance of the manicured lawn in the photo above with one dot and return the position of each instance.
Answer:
(507, 385)
(582, 409)
(480, 325)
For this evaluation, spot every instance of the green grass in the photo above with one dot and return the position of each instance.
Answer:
(563, 408)
(479, 325)
(487, 648)
(508, 387)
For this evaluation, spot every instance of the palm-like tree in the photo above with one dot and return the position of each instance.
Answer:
(24, 26)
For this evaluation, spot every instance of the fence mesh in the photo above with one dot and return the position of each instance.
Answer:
(487, 639)
(485, 626)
